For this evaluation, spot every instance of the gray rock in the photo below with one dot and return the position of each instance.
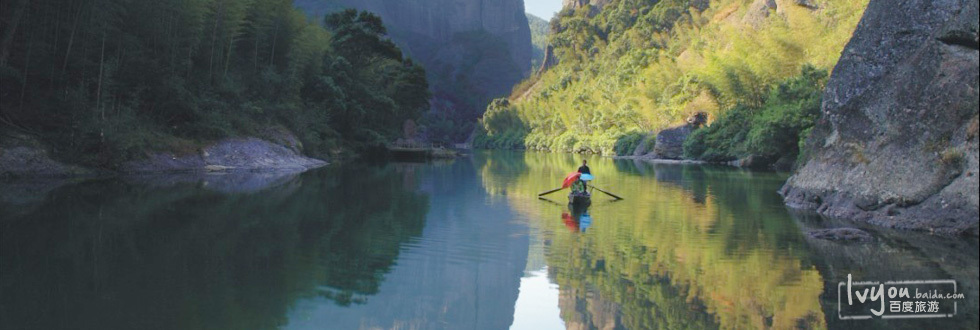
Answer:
(896, 144)
(841, 234)
(646, 145)
(238, 154)
(670, 141)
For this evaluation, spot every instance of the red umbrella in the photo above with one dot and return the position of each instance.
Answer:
(571, 178)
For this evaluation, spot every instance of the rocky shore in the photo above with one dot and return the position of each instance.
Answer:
(24, 157)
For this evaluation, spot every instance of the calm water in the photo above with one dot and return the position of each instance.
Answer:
(456, 245)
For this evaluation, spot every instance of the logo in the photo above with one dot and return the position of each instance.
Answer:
(897, 299)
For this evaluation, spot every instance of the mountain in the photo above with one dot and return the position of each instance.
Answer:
(896, 144)
(472, 50)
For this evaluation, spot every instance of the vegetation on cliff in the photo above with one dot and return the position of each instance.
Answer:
(638, 66)
(539, 39)
(107, 80)
(776, 129)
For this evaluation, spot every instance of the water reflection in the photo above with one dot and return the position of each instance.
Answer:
(463, 272)
(694, 247)
(577, 219)
(537, 304)
(459, 245)
(177, 253)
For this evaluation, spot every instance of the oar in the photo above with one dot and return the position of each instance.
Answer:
(606, 192)
(550, 191)
(550, 201)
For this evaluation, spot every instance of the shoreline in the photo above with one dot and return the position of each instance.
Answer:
(23, 158)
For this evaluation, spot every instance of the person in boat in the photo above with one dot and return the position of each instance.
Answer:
(584, 169)
(579, 185)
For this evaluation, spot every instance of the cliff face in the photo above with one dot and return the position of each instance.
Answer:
(896, 144)
(472, 50)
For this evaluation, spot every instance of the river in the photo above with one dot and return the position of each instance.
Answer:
(462, 244)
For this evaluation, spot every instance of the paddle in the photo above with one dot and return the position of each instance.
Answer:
(606, 192)
(550, 191)
(550, 201)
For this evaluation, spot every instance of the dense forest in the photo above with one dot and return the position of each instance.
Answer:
(632, 67)
(108, 80)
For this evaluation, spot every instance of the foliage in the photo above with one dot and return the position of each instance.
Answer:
(500, 128)
(107, 80)
(628, 142)
(539, 39)
(775, 129)
(644, 65)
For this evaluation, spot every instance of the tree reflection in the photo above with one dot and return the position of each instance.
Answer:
(689, 247)
(110, 254)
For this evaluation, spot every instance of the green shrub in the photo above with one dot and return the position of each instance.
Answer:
(628, 142)
(773, 130)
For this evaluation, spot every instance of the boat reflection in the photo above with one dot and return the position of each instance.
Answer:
(577, 219)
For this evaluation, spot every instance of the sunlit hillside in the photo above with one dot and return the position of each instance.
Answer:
(638, 66)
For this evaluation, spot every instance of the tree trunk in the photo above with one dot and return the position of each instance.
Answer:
(275, 36)
(71, 38)
(27, 62)
(98, 89)
(8, 36)
(231, 45)
(214, 35)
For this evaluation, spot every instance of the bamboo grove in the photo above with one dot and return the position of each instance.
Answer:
(105, 80)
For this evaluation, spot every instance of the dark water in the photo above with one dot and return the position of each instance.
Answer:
(455, 245)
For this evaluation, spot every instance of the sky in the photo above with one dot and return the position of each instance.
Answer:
(542, 8)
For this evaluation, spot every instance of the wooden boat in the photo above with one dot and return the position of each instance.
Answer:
(579, 199)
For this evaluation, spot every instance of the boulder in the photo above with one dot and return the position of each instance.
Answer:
(896, 143)
(670, 141)
(647, 142)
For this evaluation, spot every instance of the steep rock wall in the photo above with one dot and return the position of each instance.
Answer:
(896, 144)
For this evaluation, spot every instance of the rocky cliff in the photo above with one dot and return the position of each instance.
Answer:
(896, 144)
(472, 50)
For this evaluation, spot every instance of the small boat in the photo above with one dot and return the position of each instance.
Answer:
(579, 199)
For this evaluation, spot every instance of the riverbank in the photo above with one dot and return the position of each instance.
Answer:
(22, 156)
